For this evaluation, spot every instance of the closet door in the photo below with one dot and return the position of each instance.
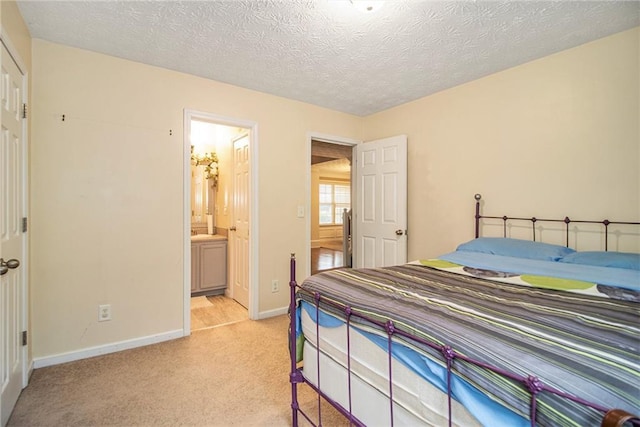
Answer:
(12, 236)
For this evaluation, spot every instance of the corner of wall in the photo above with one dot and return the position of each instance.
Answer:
(16, 33)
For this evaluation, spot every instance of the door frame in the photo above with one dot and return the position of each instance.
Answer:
(190, 114)
(331, 139)
(27, 365)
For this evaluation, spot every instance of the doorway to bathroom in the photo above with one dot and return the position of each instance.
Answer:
(218, 220)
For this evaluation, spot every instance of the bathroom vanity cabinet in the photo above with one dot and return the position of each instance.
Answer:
(208, 264)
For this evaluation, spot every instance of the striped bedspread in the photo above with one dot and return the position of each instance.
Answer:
(584, 345)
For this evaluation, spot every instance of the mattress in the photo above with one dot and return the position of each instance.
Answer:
(415, 401)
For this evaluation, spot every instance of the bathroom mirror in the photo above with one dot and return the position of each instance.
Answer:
(202, 198)
(204, 175)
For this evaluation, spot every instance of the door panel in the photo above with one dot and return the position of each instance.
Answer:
(381, 213)
(389, 205)
(12, 240)
(368, 251)
(368, 198)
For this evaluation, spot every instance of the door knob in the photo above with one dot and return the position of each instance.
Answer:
(399, 232)
(232, 228)
(6, 265)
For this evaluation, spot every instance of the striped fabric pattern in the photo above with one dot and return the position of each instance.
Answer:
(584, 345)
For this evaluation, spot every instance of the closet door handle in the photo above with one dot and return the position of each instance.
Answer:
(232, 228)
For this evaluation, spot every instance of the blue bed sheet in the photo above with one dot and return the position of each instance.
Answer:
(617, 277)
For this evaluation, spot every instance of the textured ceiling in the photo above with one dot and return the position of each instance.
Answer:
(326, 52)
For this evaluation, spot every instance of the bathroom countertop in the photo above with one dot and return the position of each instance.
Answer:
(207, 237)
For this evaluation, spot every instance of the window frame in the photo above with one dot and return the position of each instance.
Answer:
(333, 182)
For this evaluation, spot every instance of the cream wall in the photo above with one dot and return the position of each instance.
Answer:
(107, 192)
(14, 26)
(553, 137)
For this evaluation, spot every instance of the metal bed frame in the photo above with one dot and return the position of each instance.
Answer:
(566, 220)
(530, 383)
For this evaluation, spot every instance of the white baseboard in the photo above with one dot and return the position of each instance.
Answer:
(41, 362)
(273, 313)
(27, 374)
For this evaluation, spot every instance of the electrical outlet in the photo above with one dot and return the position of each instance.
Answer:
(275, 287)
(104, 312)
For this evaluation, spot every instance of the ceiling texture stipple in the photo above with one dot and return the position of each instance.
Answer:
(326, 52)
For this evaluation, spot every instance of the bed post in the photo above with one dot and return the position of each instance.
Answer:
(477, 197)
(294, 377)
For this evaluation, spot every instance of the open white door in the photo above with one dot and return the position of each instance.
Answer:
(380, 223)
(239, 231)
(12, 237)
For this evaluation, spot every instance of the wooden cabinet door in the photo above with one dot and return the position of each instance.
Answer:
(213, 266)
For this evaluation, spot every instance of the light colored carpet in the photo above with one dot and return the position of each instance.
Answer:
(214, 311)
(233, 375)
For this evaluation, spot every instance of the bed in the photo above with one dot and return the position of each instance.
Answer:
(500, 332)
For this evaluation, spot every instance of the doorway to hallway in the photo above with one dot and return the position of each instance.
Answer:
(330, 195)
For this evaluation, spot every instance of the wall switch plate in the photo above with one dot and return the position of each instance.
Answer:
(300, 211)
(275, 287)
(104, 312)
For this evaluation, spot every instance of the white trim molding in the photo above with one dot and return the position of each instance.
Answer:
(272, 313)
(41, 362)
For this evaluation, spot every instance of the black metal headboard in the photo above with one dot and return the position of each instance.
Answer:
(605, 223)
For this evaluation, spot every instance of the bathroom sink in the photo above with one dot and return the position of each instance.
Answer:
(207, 237)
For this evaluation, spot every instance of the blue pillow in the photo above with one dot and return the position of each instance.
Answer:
(516, 248)
(604, 259)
